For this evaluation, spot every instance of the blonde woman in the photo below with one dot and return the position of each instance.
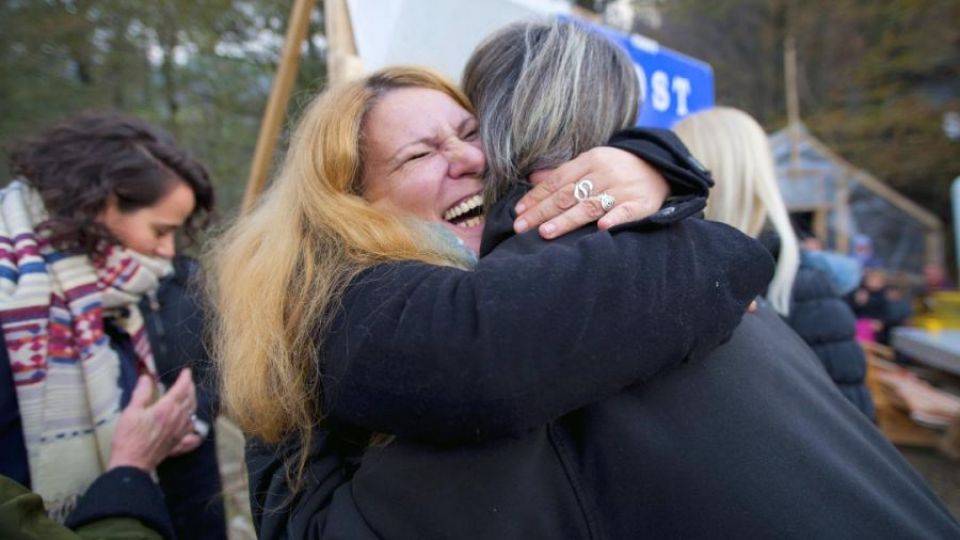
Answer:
(734, 147)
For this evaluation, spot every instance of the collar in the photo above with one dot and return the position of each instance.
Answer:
(498, 223)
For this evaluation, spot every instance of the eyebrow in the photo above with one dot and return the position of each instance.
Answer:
(427, 140)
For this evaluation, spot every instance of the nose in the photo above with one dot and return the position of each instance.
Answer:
(466, 158)
(167, 247)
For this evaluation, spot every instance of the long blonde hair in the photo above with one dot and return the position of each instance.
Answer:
(278, 273)
(735, 148)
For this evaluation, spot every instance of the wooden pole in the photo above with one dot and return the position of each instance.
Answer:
(842, 240)
(277, 103)
(343, 64)
(793, 101)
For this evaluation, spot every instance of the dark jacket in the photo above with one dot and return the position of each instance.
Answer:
(122, 503)
(436, 354)
(191, 483)
(825, 321)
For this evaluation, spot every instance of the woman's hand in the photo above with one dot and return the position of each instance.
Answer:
(147, 434)
(638, 191)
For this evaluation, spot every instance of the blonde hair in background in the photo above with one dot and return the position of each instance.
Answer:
(277, 274)
(734, 147)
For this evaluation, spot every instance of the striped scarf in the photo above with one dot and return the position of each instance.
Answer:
(52, 306)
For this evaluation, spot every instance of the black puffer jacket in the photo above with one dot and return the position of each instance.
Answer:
(825, 321)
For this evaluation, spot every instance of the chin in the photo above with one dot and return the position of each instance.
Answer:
(471, 235)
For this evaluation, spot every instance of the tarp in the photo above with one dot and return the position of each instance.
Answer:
(443, 34)
(672, 84)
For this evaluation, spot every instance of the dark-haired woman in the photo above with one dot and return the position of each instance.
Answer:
(91, 297)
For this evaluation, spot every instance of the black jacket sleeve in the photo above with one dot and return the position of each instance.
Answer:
(321, 508)
(689, 180)
(448, 355)
(664, 151)
(123, 492)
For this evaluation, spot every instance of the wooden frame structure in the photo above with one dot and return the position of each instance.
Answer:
(342, 64)
(798, 135)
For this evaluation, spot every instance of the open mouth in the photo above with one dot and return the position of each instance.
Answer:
(466, 213)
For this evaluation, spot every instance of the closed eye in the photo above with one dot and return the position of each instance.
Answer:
(416, 156)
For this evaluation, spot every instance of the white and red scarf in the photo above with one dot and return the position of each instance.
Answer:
(52, 305)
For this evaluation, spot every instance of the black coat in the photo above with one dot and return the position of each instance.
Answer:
(825, 321)
(191, 482)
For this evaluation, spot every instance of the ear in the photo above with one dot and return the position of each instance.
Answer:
(110, 211)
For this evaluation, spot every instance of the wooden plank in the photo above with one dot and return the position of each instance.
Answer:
(842, 241)
(277, 103)
(872, 183)
(343, 63)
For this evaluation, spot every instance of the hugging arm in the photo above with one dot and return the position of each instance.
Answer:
(639, 167)
(447, 355)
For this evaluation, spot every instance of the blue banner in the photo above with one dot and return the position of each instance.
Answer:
(672, 85)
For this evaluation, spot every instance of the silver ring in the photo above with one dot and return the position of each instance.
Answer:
(606, 201)
(582, 189)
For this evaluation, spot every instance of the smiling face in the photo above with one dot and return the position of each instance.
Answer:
(151, 230)
(423, 158)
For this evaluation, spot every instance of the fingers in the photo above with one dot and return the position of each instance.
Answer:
(625, 213)
(188, 443)
(142, 393)
(549, 181)
(587, 211)
(183, 391)
(183, 385)
(554, 205)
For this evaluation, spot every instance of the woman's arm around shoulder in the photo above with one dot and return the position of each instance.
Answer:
(449, 355)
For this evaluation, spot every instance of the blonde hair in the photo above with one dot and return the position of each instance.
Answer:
(746, 195)
(278, 273)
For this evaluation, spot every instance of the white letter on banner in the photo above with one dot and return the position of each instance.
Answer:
(681, 87)
(661, 91)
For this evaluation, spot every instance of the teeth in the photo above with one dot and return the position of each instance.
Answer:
(472, 222)
(463, 207)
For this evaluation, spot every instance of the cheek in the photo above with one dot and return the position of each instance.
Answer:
(133, 234)
(413, 191)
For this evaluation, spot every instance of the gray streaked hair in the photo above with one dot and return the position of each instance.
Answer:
(544, 93)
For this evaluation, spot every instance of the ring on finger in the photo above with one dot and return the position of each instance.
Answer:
(583, 189)
(607, 201)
